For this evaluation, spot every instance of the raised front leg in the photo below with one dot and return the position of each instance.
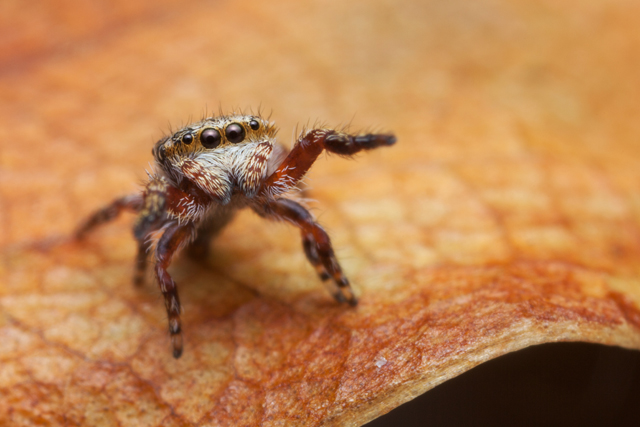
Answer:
(316, 244)
(309, 147)
(174, 237)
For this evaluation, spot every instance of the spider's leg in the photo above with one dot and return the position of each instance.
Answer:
(173, 238)
(152, 214)
(152, 209)
(310, 247)
(309, 147)
(316, 244)
(132, 202)
(141, 261)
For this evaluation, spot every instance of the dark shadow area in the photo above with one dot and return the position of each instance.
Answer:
(563, 384)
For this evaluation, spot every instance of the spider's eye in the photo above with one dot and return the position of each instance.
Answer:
(254, 124)
(159, 152)
(234, 133)
(187, 138)
(210, 138)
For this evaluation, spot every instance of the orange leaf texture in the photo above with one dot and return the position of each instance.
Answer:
(507, 214)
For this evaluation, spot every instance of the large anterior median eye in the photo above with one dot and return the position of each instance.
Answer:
(210, 138)
(234, 133)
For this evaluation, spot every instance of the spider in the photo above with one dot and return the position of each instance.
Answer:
(208, 170)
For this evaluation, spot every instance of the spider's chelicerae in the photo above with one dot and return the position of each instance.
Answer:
(205, 172)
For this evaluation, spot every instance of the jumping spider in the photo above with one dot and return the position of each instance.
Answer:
(208, 170)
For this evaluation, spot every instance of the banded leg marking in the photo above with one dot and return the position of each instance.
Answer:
(174, 237)
(317, 247)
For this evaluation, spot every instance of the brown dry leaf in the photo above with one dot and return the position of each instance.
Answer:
(507, 215)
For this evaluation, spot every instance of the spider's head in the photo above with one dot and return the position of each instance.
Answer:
(212, 134)
(222, 145)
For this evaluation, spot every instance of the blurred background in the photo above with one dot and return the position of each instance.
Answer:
(500, 95)
(89, 86)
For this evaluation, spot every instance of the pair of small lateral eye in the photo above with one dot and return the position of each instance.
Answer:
(211, 138)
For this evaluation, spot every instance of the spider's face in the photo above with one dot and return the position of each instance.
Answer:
(214, 134)
(226, 146)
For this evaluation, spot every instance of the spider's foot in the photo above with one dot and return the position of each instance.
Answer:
(349, 297)
(352, 300)
(175, 330)
(346, 291)
(342, 143)
(176, 342)
(339, 288)
(338, 296)
(374, 140)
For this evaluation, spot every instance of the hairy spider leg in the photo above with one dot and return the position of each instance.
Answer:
(132, 202)
(142, 257)
(174, 237)
(309, 146)
(149, 220)
(316, 244)
(152, 210)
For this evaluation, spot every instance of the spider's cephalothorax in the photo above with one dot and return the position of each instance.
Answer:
(208, 170)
